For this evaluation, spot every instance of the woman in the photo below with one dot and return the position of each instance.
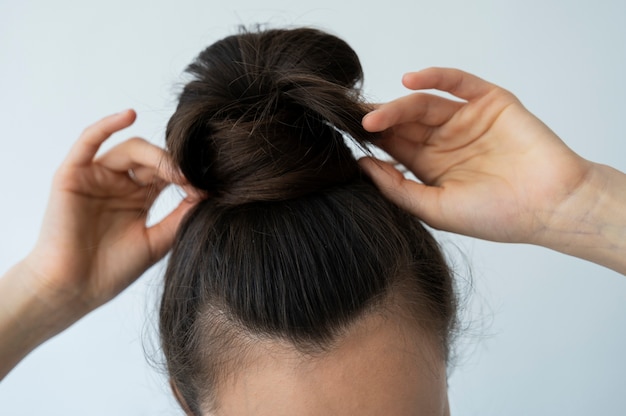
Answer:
(490, 169)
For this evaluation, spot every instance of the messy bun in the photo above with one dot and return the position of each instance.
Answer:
(263, 117)
(293, 243)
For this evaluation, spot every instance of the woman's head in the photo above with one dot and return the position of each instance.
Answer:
(295, 283)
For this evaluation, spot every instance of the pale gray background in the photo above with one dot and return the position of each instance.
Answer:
(547, 332)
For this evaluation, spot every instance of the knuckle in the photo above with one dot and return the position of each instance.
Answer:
(137, 141)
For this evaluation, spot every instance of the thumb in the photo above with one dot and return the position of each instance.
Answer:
(161, 235)
(416, 198)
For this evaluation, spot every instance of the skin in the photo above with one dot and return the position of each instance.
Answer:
(94, 241)
(383, 366)
(488, 168)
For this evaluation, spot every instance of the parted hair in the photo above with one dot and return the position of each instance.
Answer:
(294, 243)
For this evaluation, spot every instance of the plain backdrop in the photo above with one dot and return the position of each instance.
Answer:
(545, 334)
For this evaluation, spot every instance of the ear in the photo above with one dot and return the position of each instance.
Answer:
(179, 398)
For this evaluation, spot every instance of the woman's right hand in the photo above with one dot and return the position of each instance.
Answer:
(94, 241)
(490, 169)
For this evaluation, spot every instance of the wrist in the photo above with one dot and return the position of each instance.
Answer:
(28, 315)
(591, 222)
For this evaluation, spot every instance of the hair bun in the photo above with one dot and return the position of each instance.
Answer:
(264, 115)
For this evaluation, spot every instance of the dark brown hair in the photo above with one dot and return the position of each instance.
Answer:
(294, 243)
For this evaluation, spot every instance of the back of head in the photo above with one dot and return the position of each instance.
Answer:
(294, 243)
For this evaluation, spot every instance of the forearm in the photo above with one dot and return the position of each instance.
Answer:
(27, 319)
(591, 224)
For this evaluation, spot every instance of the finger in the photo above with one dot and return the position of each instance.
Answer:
(404, 141)
(427, 109)
(147, 161)
(190, 193)
(194, 194)
(416, 198)
(458, 83)
(161, 235)
(86, 147)
(401, 150)
(414, 133)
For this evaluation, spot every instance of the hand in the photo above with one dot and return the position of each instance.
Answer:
(94, 241)
(488, 167)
